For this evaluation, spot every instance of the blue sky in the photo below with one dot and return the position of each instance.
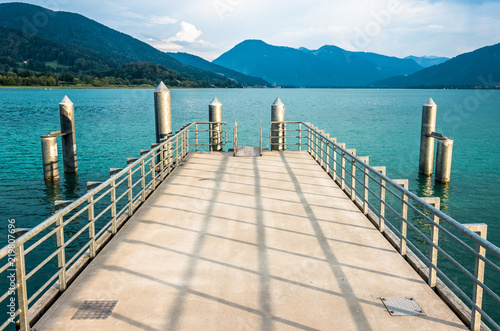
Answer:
(208, 28)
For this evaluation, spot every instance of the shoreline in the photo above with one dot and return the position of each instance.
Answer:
(125, 87)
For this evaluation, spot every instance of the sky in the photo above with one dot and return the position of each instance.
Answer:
(208, 28)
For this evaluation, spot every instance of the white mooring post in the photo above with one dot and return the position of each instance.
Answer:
(215, 115)
(50, 157)
(443, 159)
(67, 117)
(425, 163)
(163, 113)
(277, 130)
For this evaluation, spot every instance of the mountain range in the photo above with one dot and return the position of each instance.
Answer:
(71, 42)
(329, 66)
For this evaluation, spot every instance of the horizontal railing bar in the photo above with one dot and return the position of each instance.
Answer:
(43, 287)
(103, 212)
(8, 322)
(43, 263)
(76, 235)
(40, 241)
(5, 295)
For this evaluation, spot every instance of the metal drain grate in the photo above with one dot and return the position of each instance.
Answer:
(93, 310)
(247, 151)
(401, 306)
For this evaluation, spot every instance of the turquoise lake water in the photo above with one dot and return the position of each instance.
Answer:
(112, 125)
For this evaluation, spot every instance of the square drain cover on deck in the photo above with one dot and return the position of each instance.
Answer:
(93, 310)
(401, 306)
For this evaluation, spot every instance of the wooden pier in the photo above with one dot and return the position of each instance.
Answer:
(247, 243)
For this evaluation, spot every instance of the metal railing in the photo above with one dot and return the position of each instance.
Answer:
(50, 256)
(214, 134)
(415, 226)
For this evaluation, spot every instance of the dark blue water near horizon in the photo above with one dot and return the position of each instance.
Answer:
(112, 125)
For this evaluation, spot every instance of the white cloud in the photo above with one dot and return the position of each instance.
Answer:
(189, 33)
(162, 20)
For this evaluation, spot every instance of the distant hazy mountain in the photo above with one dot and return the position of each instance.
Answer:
(329, 66)
(427, 61)
(478, 68)
(198, 62)
(366, 66)
(77, 30)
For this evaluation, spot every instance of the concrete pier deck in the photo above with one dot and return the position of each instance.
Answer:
(264, 243)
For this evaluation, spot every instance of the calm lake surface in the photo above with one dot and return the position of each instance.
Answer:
(112, 125)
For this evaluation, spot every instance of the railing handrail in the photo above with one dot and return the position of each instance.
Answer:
(45, 224)
(326, 151)
(134, 183)
(455, 224)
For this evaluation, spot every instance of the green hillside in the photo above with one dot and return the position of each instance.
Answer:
(28, 60)
(76, 30)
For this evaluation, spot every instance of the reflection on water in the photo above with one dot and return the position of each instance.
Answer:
(427, 187)
(66, 189)
(52, 191)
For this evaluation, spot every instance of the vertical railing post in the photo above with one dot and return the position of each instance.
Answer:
(170, 154)
(196, 136)
(366, 178)
(316, 144)
(353, 179)
(381, 222)
(22, 295)
(328, 157)
(183, 144)
(113, 207)
(300, 136)
(404, 216)
(324, 152)
(153, 171)
(130, 193)
(177, 153)
(61, 256)
(309, 140)
(436, 202)
(477, 295)
(334, 162)
(342, 186)
(235, 138)
(90, 211)
(143, 182)
(162, 160)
